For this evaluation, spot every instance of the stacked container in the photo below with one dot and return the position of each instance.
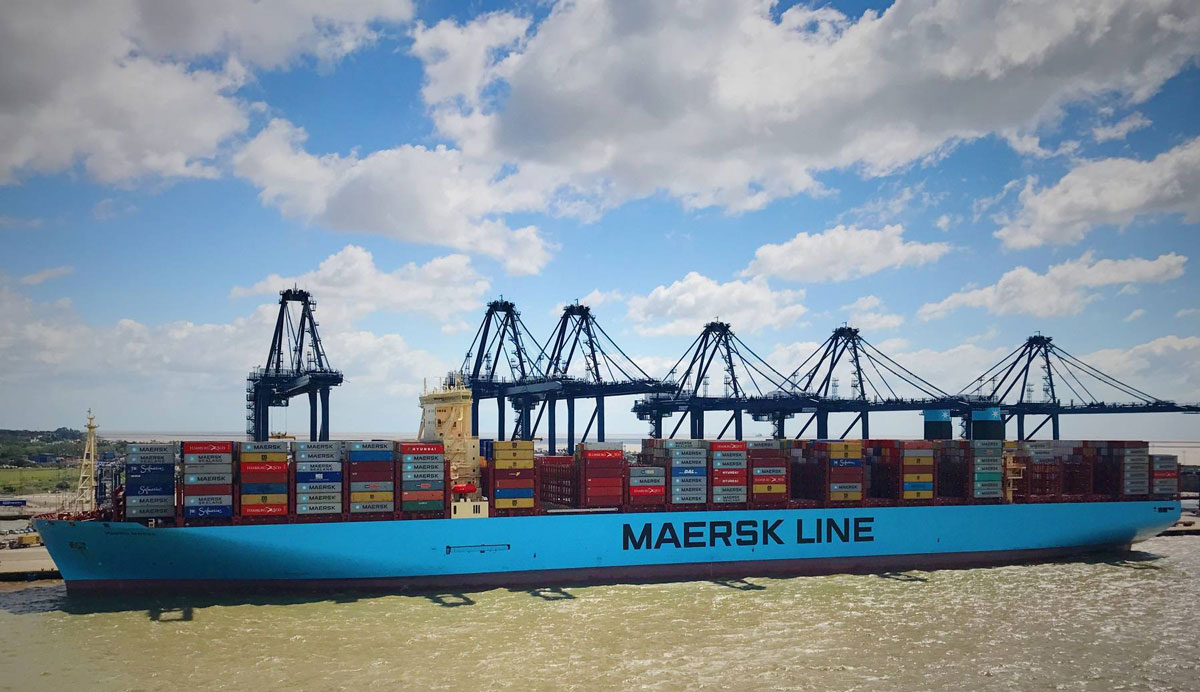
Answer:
(150, 481)
(882, 477)
(513, 479)
(728, 470)
(1134, 460)
(555, 479)
(600, 474)
(371, 493)
(207, 482)
(953, 472)
(987, 470)
(647, 488)
(263, 480)
(686, 464)
(1078, 461)
(845, 463)
(1041, 472)
(768, 467)
(1164, 471)
(424, 479)
(319, 481)
(918, 474)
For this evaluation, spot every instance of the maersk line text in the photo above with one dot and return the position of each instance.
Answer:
(747, 532)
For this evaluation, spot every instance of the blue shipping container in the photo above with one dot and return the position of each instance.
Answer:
(208, 512)
(423, 485)
(372, 455)
(509, 493)
(845, 462)
(689, 471)
(918, 486)
(318, 477)
(135, 489)
(264, 488)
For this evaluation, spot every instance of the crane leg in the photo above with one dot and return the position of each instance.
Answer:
(866, 427)
(500, 417)
(599, 419)
(551, 428)
(312, 415)
(571, 425)
(737, 424)
(822, 425)
(324, 413)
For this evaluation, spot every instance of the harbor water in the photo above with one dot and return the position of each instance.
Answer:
(1115, 622)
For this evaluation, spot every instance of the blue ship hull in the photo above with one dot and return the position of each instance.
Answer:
(586, 548)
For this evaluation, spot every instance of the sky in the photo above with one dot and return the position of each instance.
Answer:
(950, 178)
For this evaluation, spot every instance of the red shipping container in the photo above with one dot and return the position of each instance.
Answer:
(593, 472)
(512, 474)
(768, 497)
(264, 477)
(263, 510)
(729, 474)
(590, 454)
(646, 490)
(841, 474)
(209, 489)
(371, 476)
(420, 495)
(604, 463)
(593, 482)
(422, 448)
(658, 500)
(605, 492)
(766, 454)
(727, 445)
(770, 479)
(264, 467)
(372, 466)
(1166, 474)
(208, 448)
(504, 484)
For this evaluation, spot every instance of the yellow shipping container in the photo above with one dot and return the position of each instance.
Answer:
(918, 478)
(918, 494)
(519, 454)
(918, 461)
(513, 444)
(770, 488)
(515, 503)
(845, 453)
(279, 499)
(845, 497)
(514, 463)
(264, 456)
(372, 497)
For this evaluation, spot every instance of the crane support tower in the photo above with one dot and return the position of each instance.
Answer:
(296, 365)
(1006, 385)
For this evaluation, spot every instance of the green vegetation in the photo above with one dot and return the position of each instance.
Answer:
(18, 447)
(23, 481)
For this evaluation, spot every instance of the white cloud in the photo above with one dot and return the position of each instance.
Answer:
(1135, 315)
(349, 286)
(18, 222)
(413, 193)
(108, 209)
(686, 305)
(129, 89)
(943, 222)
(1121, 128)
(46, 274)
(867, 314)
(1167, 367)
(135, 374)
(614, 101)
(1110, 191)
(1062, 290)
(1188, 312)
(841, 253)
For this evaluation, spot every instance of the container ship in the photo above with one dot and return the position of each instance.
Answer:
(452, 511)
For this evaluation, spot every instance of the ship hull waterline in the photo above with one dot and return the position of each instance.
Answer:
(463, 554)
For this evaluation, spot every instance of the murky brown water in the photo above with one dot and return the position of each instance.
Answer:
(1118, 624)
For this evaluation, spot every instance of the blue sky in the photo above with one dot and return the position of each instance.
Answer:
(168, 172)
